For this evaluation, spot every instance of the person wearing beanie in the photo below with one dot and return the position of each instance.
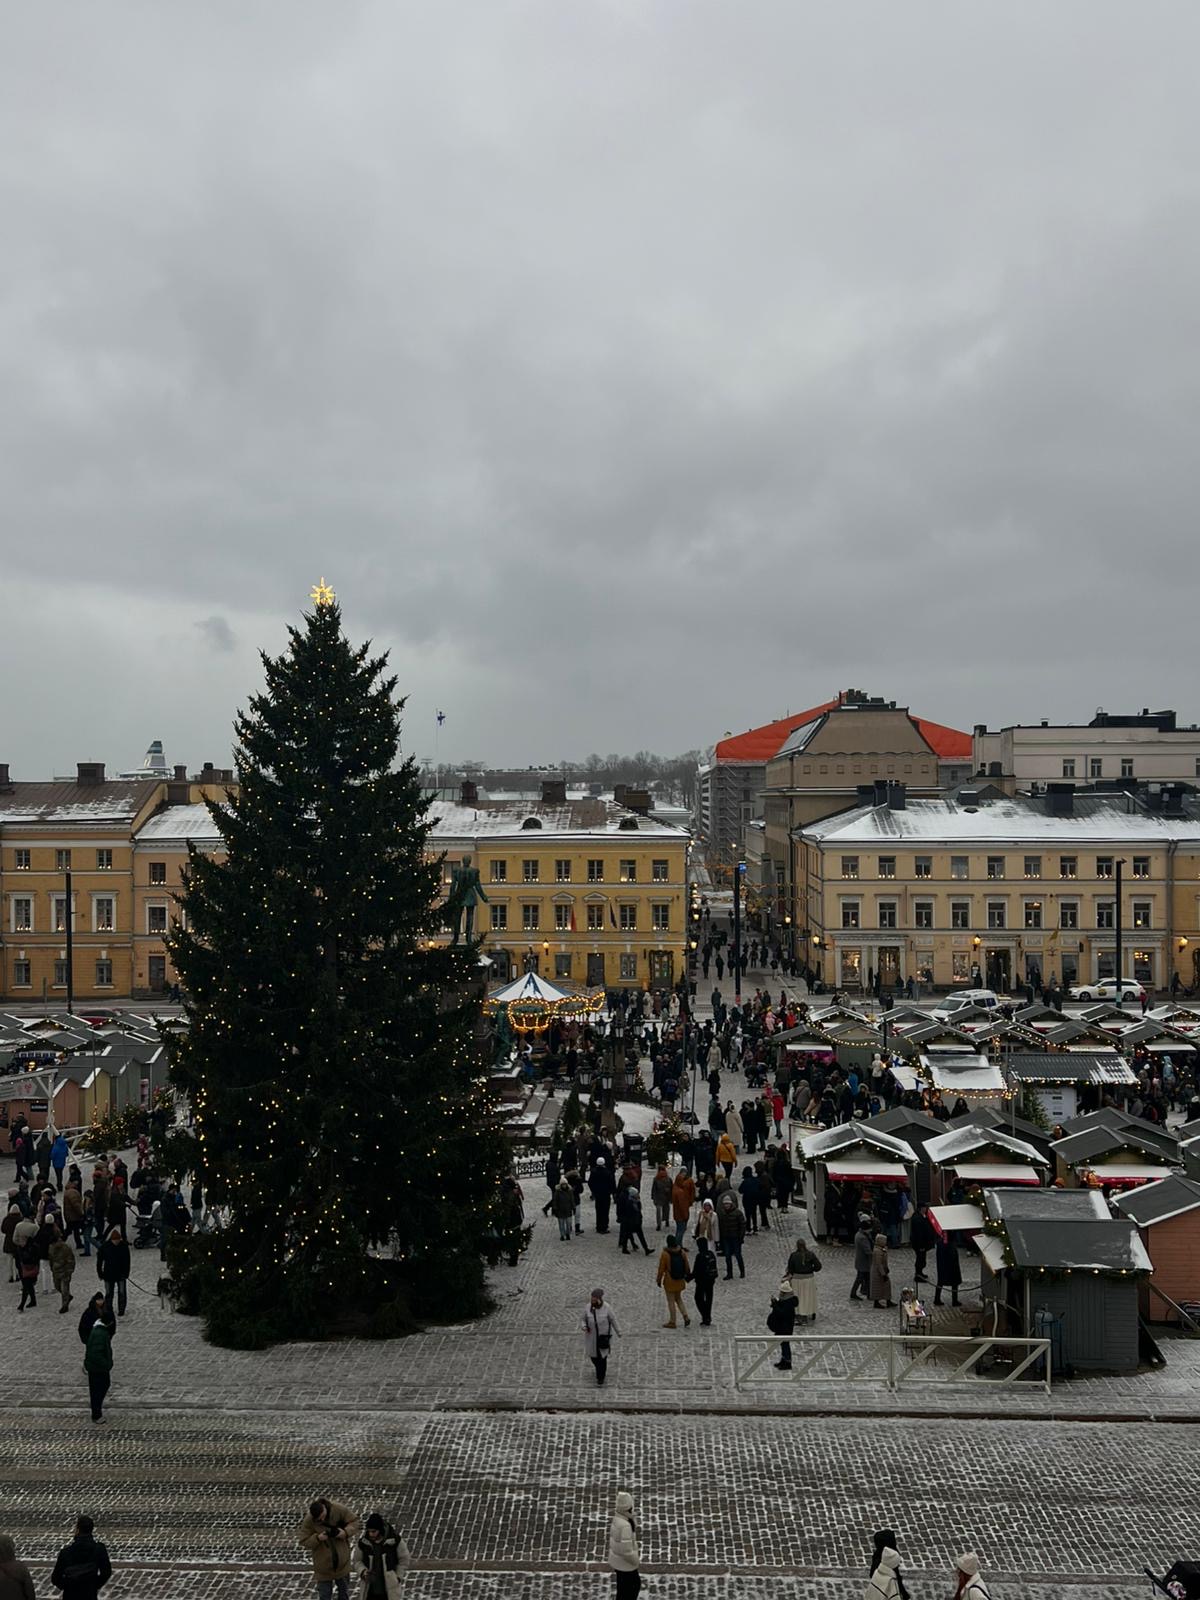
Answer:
(383, 1556)
(623, 1554)
(885, 1582)
(781, 1319)
(970, 1583)
(599, 1325)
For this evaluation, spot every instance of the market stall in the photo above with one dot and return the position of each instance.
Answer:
(844, 1167)
(1105, 1157)
(1167, 1216)
(968, 1158)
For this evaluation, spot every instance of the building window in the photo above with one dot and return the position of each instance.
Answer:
(62, 861)
(1068, 866)
(562, 870)
(21, 861)
(22, 975)
(887, 913)
(158, 872)
(960, 967)
(562, 919)
(628, 918)
(103, 920)
(156, 919)
(1033, 866)
(499, 872)
(1104, 866)
(22, 913)
(1142, 913)
(997, 913)
(958, 867)
(1033, 913)
(887, 866)
(60, 974)
(850, 915)
(103, 860)
(628, 966)
(499, 917)
(923, 914)
(1068, 770)
(1106, 914)
(58, 910)
(995, 866)
(923, 866)
(660, 918)
(1141, 866)
(562, 964)
(595, 871)
(595, 918)
(849, 866)
(531, 918)
(628, 872)
(960, 913)
(1095, 767)
(1127, 766)
(1068, 914)
(530, 872)
(104, 974)
(659, 871)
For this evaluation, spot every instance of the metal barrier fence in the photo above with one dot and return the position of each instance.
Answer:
(892, 1359)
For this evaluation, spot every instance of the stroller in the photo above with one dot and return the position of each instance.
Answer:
(1179, 1582)
(145, 1227)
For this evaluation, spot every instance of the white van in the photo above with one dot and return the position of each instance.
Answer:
(963, 1000)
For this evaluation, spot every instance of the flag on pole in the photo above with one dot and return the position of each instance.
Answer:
(572, 919)
(612, 915)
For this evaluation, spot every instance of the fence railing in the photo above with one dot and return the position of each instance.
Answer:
(893, 1360)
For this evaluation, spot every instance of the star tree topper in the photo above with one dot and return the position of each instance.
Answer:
(322, 594)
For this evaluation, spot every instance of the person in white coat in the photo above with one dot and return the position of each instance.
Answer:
(623, 1554)
(599, 1326)
(970, 1583)
(733, 1126)
(884, 1582)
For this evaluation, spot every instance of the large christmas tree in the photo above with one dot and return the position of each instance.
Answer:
(328, 1059)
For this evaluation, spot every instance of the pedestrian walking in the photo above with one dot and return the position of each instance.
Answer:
(802, 1269)
(706, 1224)
(704, 1277)
(15, 1580)
(112, 1264)
(98, 1364)
(96, 1310)
(731, 1227)
(600, 1182)
(7, 1228)
(970, 1581)
(734, 1126)
(781, 1319)
(62, 1267)
(885, 1581)
(599, 1325)
(630, 1202)
(881, 1277)
(29, 1264)
(864, 1246)
(683, 1195)
(624, 1557)
(674, 1271)
(59, 1152)
(562, 1204)
(660, 1193)
(82, 1568)
(949, 1270)
(383, 1556)
(924, 1239)
(327, 1533)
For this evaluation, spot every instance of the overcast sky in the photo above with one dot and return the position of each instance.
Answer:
(635, 371)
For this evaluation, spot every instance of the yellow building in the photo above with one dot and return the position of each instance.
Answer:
(583, 891)
(990, 890)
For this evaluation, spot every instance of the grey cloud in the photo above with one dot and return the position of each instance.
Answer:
(217, 634)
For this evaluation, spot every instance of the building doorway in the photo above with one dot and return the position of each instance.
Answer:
(888, 975)
(662, 969)
(999, 970)
(157, 968)
(595, 969)
(501, 966)
(851, 969)
(1070, 971)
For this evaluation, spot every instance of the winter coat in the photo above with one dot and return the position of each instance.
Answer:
(881, 1281)
(883, 1584)
(731, 1221)
(704, 1268)
(949, 1268)
(784, 1308)
(623, 1553)
(72, 1206)
(330, 1556)
(802, 1266)
(864, 1248)
(734, 1128)
(15, 1581)
(660, 1189)
(671, 1262)
(386, 1555)
(922, 1233)
(601, 1183)
(706, 1224)
(598, 1323)
(562, 1201)
(6, 1229)
(62, 1261)
(777, 1107)
(112, 1260)
(82, 1568)
(59, 1152)
(683, 1195)
(725, 1149)
(97, 1356)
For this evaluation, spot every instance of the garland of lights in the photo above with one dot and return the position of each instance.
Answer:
(535, 1016)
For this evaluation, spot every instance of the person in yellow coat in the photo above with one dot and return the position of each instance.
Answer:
(673, 1274)
(726, 1154)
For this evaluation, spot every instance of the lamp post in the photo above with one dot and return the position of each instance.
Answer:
(69, 921)
(616, 1043)
(1118, 974)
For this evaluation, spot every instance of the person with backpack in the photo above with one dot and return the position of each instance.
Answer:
(599, 1325)
(82, 1568)
(674, 1272)
(704, 1276)
(383, 1555)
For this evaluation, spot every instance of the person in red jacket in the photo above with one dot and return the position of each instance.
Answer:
(777, 1113)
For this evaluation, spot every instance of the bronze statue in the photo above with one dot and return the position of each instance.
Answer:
(466, 891)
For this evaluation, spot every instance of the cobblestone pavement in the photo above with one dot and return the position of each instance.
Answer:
(518, 1505)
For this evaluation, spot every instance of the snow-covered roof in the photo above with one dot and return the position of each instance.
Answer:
(450, 819)
(72, 803)
(962, 1070)
(818, 1146)
(1012, 819)
(180, 823)
(948, 1147)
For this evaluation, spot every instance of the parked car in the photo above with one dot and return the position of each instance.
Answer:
(963, 1000)
(1106, 989)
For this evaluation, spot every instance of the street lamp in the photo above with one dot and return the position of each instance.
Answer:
(616, 1039)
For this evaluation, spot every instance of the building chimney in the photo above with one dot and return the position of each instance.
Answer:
(637, 800)
(89, 772)
(619, 793)
(980, 728)
(897, 796)
(468, 795)
(554, 791)
(181, 772)
(5, 780)
(1060, 799)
